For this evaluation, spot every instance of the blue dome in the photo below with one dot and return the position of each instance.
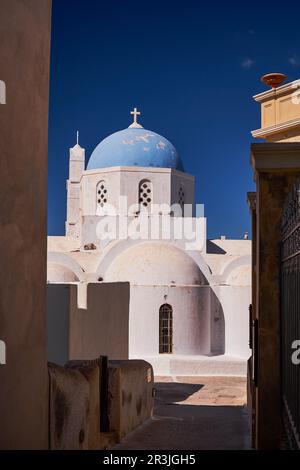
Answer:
(135, 147)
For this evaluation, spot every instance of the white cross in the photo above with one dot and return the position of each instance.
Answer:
(135, 114)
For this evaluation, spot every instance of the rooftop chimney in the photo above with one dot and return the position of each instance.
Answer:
(273, 80)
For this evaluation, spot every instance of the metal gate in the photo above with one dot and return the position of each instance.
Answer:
(165, 329)
(290, 316)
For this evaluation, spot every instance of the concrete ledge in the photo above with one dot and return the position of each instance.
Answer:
(223, 365)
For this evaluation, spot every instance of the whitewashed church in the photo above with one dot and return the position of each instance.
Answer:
(135, 276)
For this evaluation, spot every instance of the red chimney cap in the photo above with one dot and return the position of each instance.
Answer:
(273, 79)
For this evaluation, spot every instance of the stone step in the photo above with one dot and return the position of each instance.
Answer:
(222, 365)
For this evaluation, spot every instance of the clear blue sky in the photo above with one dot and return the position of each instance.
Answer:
(190, 66)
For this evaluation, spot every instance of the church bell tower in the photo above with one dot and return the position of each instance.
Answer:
(76, 169)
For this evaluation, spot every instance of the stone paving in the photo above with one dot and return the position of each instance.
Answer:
(195, 413)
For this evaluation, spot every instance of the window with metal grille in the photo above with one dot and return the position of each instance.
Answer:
(145, 194)
(101, 194)
(165, 329)
(181, 198)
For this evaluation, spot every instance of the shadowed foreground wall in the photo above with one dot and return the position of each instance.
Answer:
(276, 168)
(24, 67)
(102, 328)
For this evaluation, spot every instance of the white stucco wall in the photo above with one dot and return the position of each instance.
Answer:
(210, 319)
(62, 268)
(191, 319)
(124, 181)
(58, 273)
(154, 263)
(235, 301)
(186, 232)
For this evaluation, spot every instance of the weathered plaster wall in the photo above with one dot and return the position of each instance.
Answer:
(70, 407)
(75, 403)
(24, 67)
(131, 395)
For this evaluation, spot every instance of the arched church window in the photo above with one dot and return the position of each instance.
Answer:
(181, 198)
(165, 329)
(101, 194)
(145, 194)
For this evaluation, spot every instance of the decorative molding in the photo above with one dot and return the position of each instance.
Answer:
(275, 129)
(137, 169)
(276, 156)
(275, 92)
